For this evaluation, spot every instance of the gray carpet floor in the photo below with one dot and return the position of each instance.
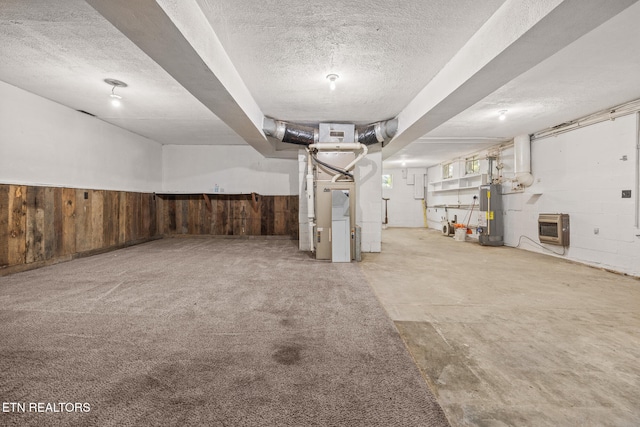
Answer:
(197, 331)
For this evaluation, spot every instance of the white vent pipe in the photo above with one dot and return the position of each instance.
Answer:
(353, 163)
(330, 146)
(311, 214)
(522, 160)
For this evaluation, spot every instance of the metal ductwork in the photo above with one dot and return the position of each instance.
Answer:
(305, 135)
(377, 132)
(522, 160)
(290, 133)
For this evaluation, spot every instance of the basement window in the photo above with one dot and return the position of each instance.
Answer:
(472, 165)
(387, 181)
(447, 170)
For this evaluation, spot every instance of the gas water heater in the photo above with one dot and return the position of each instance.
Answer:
(491, 234)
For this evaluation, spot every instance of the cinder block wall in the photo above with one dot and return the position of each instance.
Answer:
(581, 173)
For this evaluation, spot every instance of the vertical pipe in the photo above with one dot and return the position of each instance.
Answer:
(352, 164)
(489, 211)
(637, 189)
(310, 200)
(522, 160)
(490, 170)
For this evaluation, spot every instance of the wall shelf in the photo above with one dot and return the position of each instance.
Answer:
(461, 183)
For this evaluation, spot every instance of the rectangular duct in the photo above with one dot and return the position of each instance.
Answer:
(336, 133)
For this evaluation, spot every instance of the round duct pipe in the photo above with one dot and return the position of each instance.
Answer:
(290, 133)
(377, 132)
(306, 135)
(522, 160)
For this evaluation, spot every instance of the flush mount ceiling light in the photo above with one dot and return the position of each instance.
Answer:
(502, 114)
(115, 98)
(332, 80)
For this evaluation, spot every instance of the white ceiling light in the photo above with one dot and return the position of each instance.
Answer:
(502, 114)
(332, 80)
(115, 98)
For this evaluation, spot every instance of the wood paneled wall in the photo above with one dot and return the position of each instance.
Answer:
(41, 225)
(44, 225)
(229, 215)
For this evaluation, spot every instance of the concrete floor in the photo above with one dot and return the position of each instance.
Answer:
(506, 337)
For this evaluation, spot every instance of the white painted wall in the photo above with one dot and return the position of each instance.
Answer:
(458, 204)
(403, 208)
(368, 176)
(234, 169)
(45, 143)
(580, 173)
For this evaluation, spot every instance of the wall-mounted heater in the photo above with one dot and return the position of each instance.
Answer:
(553, 229)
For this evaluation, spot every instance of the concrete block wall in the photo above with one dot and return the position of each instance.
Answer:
(581, 173)
(436, 201)
(403, 208)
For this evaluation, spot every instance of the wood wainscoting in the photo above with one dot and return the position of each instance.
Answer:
(45, 225)
(228, 215)
(40, 225)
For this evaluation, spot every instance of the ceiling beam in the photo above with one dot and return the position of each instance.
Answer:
(177, 36)
(520, 35)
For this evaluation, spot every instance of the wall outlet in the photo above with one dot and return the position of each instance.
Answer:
(626, 194)
(596, 231)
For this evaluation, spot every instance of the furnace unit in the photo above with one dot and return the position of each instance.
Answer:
(333, 192)
(335, 221)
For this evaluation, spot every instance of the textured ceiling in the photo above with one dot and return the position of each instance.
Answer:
(385, 51)
(63, 51)
(598, 71)
(277, 54)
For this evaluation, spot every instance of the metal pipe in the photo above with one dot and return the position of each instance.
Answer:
(637, 189)
(522, 160)
(347, 168)
(461, 207)
(377, 132)
(331, 168)
(489, 211)
(292, 133)
(631, 107)
(328, 146)
(311, 214)
(490, 168)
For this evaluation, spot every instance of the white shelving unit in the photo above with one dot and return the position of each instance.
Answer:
(461, 183)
